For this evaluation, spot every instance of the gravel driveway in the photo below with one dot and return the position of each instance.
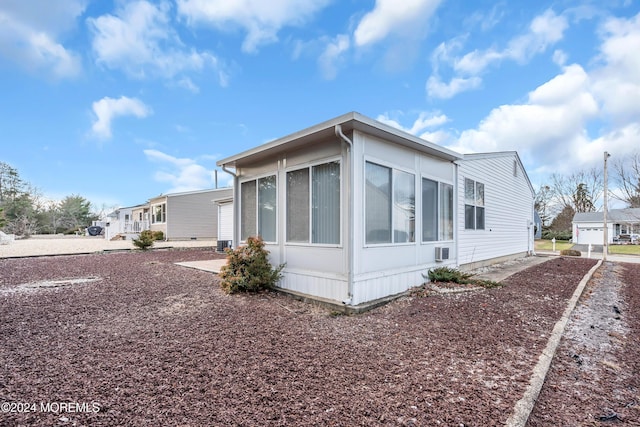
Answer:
(133, 339)
(41, 245)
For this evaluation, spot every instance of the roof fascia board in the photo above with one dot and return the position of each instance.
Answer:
(349, 121)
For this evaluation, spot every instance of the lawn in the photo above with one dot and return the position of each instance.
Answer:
(624, 249)
(547, 245)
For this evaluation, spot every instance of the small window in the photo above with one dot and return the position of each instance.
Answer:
(159, 213)
(473, 205)
(258, 212)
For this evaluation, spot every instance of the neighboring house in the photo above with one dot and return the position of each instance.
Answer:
(126, 223)
(622, 224)
(360, 211)
(537, 221)
(188, 215)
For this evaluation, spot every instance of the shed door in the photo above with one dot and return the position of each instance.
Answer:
(590, 235)
(225, 222)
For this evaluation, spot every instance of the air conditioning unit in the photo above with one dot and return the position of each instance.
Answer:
(441, 254)
(224, 244)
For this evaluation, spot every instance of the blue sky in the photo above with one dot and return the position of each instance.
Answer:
(120, 101)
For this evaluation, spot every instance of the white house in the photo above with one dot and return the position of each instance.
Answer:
(127, 222)
(622, 225)
(359, 210)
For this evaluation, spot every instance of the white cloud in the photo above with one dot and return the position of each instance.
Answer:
(30, 37)
(182, 174)
(544, 31)
(549, 124)
(426, 120)
(617, 82)
(552, 128)
(140, 40)
(394, 17)
(262, 20)
(107, 109)
(559, 57)
(438, 89)
(332, 55)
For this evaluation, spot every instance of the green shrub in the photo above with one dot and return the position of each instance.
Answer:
(158, 235)
(145, 240)
(248, 268)
(558, 235)
(570, 252)
(447, 274)
(452, 275)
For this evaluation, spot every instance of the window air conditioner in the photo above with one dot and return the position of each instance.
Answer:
(441, 254)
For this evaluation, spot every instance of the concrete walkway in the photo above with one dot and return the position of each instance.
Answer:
(212, 266)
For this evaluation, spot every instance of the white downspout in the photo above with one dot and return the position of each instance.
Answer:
(343, 137)
(456, 211)
(236, 199)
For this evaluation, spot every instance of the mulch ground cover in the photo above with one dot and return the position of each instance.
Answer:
(133, 339)
(594, 378)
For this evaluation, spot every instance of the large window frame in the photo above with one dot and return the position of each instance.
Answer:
(397, 201)
(474, 205)
(159, 213)
(309, 218)
(259, 208)
(437, 210)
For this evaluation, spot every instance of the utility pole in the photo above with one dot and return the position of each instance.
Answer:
(605, 246)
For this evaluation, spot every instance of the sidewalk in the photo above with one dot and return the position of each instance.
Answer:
(595, 255)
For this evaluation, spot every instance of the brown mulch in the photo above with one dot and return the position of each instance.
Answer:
(594, 378)
(153, 343)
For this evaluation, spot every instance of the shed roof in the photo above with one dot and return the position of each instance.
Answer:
(619, 215)
(348, 122)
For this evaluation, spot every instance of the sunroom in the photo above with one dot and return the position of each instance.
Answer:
(357, 210)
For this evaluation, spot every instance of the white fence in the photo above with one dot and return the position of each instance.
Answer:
(127, 229)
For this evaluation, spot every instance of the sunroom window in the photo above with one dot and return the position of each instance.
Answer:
(313, 204)
(258, 208)
(389, 205)
(437, 211)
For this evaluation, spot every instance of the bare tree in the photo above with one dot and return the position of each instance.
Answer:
(580, 190)
(543, 204)
(627, 173)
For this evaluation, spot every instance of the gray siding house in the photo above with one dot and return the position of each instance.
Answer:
(188, 215)
(359, 210)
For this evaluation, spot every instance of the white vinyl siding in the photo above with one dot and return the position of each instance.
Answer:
(508, 209)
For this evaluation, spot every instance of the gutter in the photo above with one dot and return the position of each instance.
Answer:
(343, 137)
(236, 208)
